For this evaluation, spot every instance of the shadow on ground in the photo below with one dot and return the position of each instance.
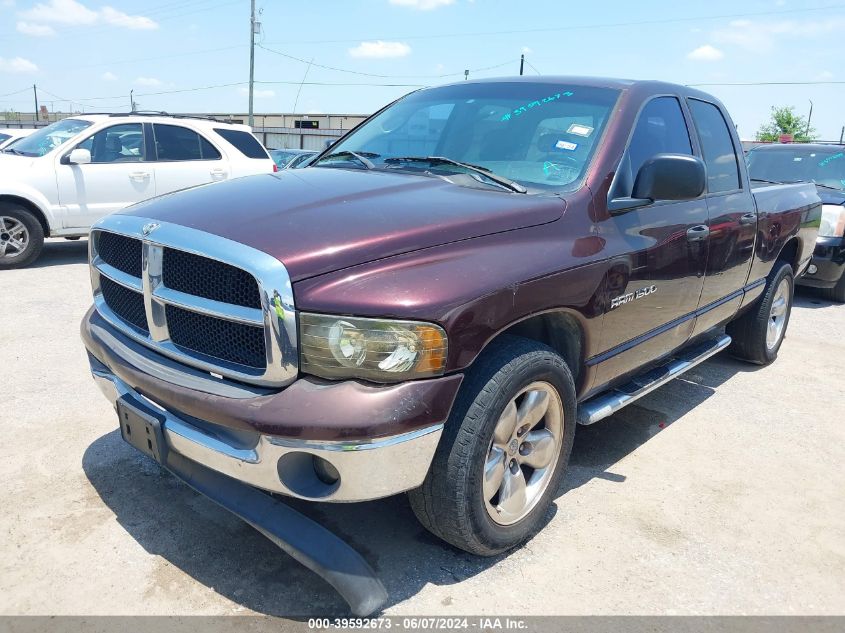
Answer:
(221, 552)
(806, 297)
(59, 252)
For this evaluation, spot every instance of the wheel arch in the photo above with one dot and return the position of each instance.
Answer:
(790, 253)
(30, 206)
(559, 329)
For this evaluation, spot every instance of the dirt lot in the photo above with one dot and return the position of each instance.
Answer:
(722, 493)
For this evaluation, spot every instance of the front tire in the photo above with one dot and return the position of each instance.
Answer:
(758, 334)
(503, 451)
(21, 236)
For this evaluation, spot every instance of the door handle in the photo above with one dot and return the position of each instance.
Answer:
(139, 176)
(698, 233)
(218, 174)
(748, 218)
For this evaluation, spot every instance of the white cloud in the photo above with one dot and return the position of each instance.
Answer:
(73, 13)
(762, 37)
(147, 81)
(526, 50)
(258, 93)
(380, 49)
(36, 30)
(422, 5)
(108, 76)
(17, 65)
(134, 22)
(706, 53)
(61, 12)
(8, 3)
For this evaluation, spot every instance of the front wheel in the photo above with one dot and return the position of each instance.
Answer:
(21, 236)
(503, 451)
(758, 334)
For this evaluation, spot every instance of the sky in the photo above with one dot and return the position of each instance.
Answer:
(354, 56)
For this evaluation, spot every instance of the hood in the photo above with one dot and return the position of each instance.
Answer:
(320, 220)
(11, 165)
(829, 196)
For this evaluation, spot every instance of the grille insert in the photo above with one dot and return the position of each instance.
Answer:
(125, 303)
(209, 278)
(224, 340)
(124, 253)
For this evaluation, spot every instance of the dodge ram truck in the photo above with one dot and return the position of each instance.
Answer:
(436, 302)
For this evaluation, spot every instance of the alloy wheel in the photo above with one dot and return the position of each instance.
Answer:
(778, 314)
(523, 453)
(14, 237)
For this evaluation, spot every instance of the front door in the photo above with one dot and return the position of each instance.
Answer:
(117, 176)
(653, 289)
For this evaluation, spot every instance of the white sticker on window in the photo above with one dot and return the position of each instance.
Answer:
(566, 145)
(580, 130)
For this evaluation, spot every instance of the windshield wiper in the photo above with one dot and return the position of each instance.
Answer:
(360, 157)
(442, 160)
(12, 150)
(812, 182)
(771, 182)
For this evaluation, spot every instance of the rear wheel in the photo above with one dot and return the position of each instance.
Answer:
(503, 451)
(758, 334)
(21, 236)
(837, 293)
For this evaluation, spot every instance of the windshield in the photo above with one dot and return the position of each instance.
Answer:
(825, 166)
(540, 135)
(48, 138)
(282, 157)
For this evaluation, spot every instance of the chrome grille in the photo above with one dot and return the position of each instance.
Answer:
(126, 303)
(233, 342)
(209, 279)
(209, 302)
(124, 253)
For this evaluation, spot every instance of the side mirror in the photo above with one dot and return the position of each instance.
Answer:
(79, 157)
(665, 177)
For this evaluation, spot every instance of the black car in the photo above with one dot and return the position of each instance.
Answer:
(825, 166)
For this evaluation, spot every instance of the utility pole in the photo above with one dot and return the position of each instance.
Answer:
(521, 64)
(809, 118)
(35, 94)
(251, 59)
(842, 135)
(466, 75)
(132, 100)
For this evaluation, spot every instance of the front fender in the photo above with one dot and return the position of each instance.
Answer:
(15, 190)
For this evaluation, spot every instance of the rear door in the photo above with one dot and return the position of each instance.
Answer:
(653, 291)
(118, 175)
(249, 157)
(185, 158)
(733, 217)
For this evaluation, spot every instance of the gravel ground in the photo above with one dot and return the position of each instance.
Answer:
(721, 493)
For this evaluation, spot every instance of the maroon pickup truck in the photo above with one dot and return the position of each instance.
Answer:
(438, 300)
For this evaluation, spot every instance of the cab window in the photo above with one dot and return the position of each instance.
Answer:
(716, 146)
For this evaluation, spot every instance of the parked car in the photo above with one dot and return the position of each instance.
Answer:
(290, 158)
(436, 302)
(823, 165)
(11, 135)
(59, 180)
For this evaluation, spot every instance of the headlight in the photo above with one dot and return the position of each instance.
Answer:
(381, 350)
(833, 221)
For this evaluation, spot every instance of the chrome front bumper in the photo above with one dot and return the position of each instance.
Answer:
(365, 470)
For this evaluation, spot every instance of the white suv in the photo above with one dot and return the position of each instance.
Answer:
(61, 179)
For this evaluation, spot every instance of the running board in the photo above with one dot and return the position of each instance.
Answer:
(608, 403)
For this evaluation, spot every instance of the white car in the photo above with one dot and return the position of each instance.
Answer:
(12, 134)
(61, 179)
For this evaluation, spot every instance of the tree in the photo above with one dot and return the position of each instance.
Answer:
(785, 121)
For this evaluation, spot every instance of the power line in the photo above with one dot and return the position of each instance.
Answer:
(770, 83)
(365, 74)
(532, 67)
(9, 94)
(574, 27)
